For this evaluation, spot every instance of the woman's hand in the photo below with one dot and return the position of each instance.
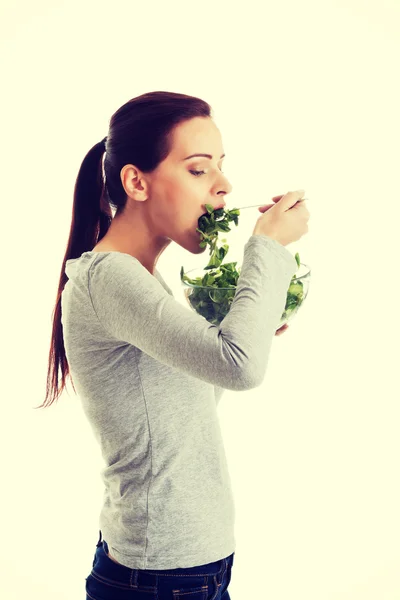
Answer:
(281, 329)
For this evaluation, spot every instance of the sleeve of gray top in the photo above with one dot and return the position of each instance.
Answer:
(133, 307)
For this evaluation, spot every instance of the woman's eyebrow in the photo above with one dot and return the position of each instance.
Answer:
(206, 156)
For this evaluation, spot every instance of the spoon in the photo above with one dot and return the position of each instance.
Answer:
(257, 205)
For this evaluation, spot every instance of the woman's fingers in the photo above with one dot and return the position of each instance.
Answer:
(276, 199)
(264, 209)
(281, 329)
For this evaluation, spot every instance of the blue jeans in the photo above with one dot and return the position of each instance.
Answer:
(109, 580)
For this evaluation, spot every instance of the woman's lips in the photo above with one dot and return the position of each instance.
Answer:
(222, 205)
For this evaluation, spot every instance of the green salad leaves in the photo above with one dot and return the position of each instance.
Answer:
(208, 298)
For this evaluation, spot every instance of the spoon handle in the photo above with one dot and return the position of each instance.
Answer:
(257, 205)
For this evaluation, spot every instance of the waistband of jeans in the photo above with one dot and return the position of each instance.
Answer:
(148, 577)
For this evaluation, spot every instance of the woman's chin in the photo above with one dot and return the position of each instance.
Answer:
(199, 250)
(195, 244)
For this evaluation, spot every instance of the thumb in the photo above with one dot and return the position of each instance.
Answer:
(264, 209)
(290, 199)
(268, 206)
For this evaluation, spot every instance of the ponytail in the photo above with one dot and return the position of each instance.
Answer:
(88, 222)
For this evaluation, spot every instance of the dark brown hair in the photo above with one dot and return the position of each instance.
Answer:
(140, 133)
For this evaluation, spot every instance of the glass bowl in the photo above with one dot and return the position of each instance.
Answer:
(213, 303)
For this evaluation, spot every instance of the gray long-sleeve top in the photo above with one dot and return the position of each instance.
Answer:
(150, 372)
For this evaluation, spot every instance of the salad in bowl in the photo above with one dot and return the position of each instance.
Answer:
(210, 291)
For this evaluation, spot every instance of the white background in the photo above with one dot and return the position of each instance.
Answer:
(305, 95)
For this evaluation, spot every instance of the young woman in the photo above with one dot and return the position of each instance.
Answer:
(149, 371)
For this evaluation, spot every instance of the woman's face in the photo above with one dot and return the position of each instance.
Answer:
(180, 187)
(166, 205)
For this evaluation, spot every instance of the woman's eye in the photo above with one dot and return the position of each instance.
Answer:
(197, 173)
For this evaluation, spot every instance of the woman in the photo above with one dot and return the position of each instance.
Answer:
(149, 371)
